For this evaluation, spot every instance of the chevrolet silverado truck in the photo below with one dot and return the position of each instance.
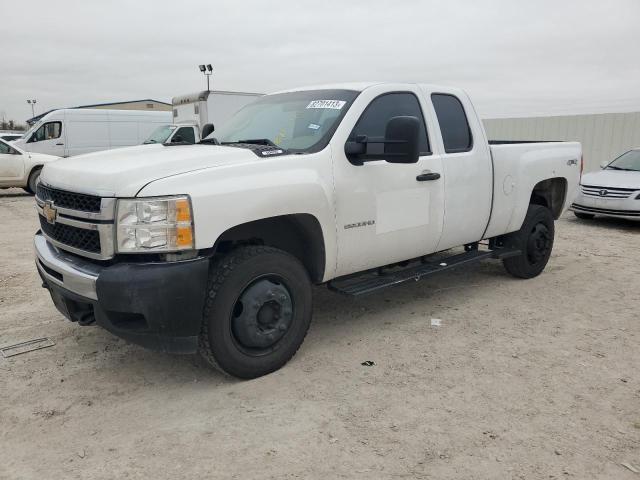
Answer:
(214, 247)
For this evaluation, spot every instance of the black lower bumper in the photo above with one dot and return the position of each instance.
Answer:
(155, 305)
(605, 211)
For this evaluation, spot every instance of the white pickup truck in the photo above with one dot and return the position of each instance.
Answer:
(214, 247)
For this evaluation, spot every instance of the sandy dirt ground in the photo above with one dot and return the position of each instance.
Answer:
(534, 379)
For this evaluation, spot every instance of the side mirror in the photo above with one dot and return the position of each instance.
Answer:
(401, 143)
(207, 130)
(177, 139)
(402, 140)
(358, 146)
(604, 164)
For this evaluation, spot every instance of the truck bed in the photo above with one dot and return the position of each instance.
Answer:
(518, 167)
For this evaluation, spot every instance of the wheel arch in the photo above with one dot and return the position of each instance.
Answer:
(30, 171)
(550, 193)
(298, 234)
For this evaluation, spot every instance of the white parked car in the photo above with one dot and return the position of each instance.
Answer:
(19, 168)
(214, 247)
(612, 192)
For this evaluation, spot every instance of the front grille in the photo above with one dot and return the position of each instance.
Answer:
(70, 200)
(605, 192)
(88, 240)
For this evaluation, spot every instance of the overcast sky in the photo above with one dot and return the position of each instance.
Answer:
(514, 57)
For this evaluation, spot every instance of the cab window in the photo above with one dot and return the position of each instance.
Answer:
(186, 135)
(48, 131)
(454, 126)
(373, 121)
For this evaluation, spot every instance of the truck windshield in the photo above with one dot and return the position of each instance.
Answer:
(160, 134)
(295, 121)
(629, 161)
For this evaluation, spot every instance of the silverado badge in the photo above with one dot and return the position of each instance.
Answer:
(50, 212)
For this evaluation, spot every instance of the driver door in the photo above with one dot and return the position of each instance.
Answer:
(386, 212)
(11, 164)
(48, 138)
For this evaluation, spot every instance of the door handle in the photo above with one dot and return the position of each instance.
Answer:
(59, 143)
(425, 177)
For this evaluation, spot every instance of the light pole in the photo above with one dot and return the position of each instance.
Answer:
(33, 105)
(208, 71)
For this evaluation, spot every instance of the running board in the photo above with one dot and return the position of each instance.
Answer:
(372, 281)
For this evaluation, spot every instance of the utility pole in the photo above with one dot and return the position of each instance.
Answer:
(208, 71)
(33, 105)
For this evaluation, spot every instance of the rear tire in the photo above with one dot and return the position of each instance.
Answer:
(33, 180)
(584, 216)
(257, 311)
(534, 240)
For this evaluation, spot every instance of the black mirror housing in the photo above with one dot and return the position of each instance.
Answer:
(207, 130)
(402, 140)
(401, 143)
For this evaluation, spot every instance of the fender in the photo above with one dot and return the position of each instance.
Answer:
(225, 197)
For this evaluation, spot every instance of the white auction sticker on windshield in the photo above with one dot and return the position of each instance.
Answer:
(333, 104)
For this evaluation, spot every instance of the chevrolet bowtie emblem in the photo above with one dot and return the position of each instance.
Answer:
(50, 212)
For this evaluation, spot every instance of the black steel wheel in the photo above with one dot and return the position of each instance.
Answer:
(535, 242)
(539, 244)
(262, 315)
(257, 311)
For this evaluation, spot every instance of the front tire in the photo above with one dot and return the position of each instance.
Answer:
(33, 180)
(257, 311)
(535, 242)
(584, 216)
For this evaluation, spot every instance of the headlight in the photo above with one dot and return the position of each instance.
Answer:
(162, 224)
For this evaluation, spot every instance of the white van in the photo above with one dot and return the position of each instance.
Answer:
(193, 111)
(73, 131)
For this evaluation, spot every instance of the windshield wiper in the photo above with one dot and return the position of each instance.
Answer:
(147, 142)
(254, 141)
(623, 169)
(212, 140)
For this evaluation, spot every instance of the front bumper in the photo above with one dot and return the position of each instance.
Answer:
(157, 305)
(628, 208)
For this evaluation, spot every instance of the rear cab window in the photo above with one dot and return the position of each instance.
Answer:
(454, 126)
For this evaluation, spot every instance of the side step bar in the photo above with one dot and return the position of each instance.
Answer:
(372, 281)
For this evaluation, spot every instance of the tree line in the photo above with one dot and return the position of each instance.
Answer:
(11, 125)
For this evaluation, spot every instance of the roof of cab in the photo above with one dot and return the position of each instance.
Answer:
(360, 86)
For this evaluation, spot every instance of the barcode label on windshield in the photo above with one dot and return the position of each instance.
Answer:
(333, 104)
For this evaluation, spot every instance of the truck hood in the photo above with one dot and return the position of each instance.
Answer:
(612, 179)
(123, 172)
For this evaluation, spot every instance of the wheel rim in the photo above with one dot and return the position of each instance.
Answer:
(262, 315)
(538, 244)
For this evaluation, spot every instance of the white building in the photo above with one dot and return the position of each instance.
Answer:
(603, 136)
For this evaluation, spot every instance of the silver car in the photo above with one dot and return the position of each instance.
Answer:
(614, 191)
